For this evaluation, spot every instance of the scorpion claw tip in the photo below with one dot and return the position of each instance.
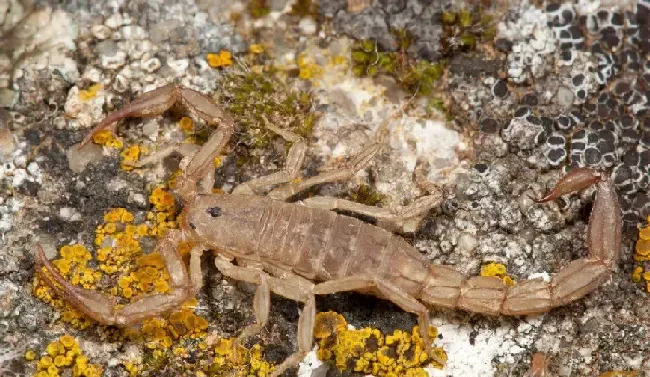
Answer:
(577, 179)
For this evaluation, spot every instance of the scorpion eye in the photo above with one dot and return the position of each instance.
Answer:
(192, 226)
(214, 211)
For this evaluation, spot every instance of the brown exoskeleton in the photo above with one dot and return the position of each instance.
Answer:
(299, 250)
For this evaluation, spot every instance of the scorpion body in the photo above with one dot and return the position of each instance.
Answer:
(314, 243)
(322, 245)
(299, 250)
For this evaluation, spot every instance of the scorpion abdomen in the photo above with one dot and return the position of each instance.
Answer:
(315, 243)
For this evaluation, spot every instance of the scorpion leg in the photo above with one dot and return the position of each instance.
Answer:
(102, 309)
(148, 104)
(289, 286)
(357, 163)
(391, 219)
(386, 290)
(306, 323)
(184, 149)
(295, 158)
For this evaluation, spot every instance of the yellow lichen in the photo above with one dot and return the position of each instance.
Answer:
(642, 254)
(130, 156)
(162, 199)
(30, 355)
(621, 373)
(186, 124)
(132, 367)
(62, 355)
(636, 275)
(248, 362)
(308, 69)
(256, 49)
(497, 270)
(368, 351)
(222, 59)
(328, 323)
(644, 233)
(120, 256)
(642, 247)
(90, 93)
(107, 139)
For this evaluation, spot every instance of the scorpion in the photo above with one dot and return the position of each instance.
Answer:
(300, 250)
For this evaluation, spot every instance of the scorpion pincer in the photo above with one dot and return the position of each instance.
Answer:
(299, 250)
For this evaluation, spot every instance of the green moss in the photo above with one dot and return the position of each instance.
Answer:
(465, 18)
(255, 99)
(304, 8)
(448, 18)
(422, 76)
(366, 195)
(437, 103)
(153, 363)
(465, 29)
(417, 75)
(404, 39)
(258, 8)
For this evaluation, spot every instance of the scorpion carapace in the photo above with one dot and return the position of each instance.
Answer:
(299, 250)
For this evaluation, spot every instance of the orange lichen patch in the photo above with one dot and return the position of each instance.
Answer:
(636, 275)
(30, 355)
(327, 324)
(498, 270)
(368, 351)
(164, 214)
(186, 124)
(222, 59)
(107, 139)
(122, 249)
(69, 314)
(642, 247)
(308, 69)
(339, 60)
(120, 258)
(130, 156)
(73, 265)
(132, 367)
(249, 362)
(184, 248)
(621, 373)
(162, 200)
(118, 215)
(150, 276)
(642, 254)
(256, 49)
(162, 333)
(90, 93)
(64, 356)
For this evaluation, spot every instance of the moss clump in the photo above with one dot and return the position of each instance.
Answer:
(366, 195)
(463, 30)
(304, 8)
(255, 99)
(414, 75)
(258, 8)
